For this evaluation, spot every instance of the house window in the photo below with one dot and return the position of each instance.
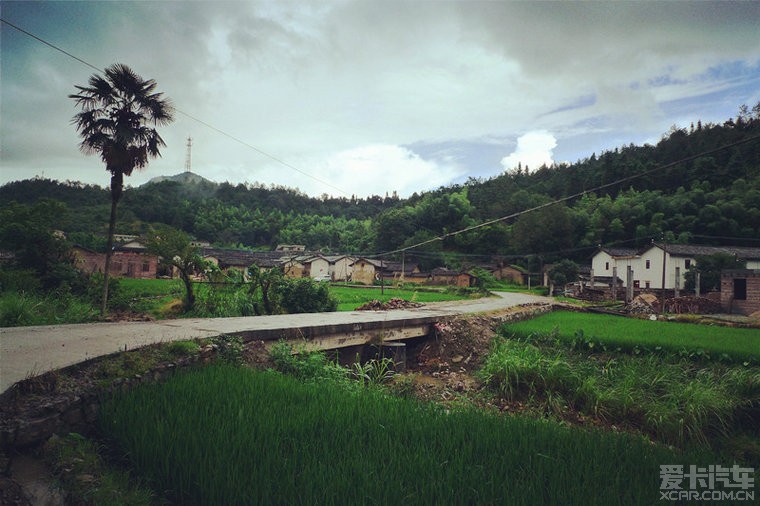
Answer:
(740, 289)
(637, 284)
(687, 263)
(606, 266)
(647, 284)
(648, 265)
(146, 267)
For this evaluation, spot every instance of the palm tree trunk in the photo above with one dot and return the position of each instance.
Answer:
(109, 254)
(117, 185)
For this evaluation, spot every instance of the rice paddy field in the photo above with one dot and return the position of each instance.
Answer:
(222, 435)
(349, 298)
(630, 334)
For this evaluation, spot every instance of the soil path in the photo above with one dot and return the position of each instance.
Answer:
(29, 351)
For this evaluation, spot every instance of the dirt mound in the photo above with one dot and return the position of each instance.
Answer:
(376, 305)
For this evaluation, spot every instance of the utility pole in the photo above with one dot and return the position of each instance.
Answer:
(403, 258)
(187, 156)
(662, 292)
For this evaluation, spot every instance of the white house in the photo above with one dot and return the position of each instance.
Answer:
(606, 259)
(649, 263)
(340, 267)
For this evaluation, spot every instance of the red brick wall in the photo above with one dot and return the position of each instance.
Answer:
(123, 263)
(731, 305)
(130, 264)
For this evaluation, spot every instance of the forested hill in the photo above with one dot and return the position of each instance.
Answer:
(712, 199)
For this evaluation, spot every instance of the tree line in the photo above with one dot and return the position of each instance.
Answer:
(713, 199)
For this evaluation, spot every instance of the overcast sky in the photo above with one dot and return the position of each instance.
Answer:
(368, 97)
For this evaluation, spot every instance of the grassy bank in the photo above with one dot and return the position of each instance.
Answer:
(674, 400)
(226, 436)
(633, 335)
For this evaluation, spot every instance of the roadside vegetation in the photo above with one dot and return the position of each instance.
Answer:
(583, 419)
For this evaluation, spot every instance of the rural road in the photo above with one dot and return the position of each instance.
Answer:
(29, 351)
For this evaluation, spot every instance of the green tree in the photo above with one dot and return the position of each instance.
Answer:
(29, 232)
(174, 249)
(265, 289)
(304, 295)
(709, 267)
(563, 272)
(547, 230)
(118, 110)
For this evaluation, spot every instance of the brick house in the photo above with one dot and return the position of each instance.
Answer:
(740, 290)
(127, 261)
(441, 276)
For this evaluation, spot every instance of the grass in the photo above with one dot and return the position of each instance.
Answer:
(150, 296)
(349, 298)
(225, 436)
(80, 466)
(19, 309)
(675, 400)
(630, 334)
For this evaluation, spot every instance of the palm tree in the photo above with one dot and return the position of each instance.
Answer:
(119, 113)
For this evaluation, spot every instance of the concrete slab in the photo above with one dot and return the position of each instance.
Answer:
(30, 351)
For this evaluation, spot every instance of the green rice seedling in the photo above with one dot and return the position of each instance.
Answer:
(598, 332)
(235, 436)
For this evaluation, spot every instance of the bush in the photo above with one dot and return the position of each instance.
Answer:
(19, 280)
(304, 295)
(305, 365)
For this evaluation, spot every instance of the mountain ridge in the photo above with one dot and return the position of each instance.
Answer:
(186, 177)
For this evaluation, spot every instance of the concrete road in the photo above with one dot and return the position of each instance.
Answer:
(29, 351)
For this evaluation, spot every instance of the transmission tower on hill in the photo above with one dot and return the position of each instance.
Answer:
(187, 157)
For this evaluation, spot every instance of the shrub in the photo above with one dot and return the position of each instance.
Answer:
(304, 295)
(184, 348)
(312, 365)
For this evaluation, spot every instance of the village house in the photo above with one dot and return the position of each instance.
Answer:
(442, 276)
(365, 270)
(512, 273)
(340, 267)
(608, 262)
(740, 291)
(130, 260)
(399, 271)
(649, 264)
(240, 260)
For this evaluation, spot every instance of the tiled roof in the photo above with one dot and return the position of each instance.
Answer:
(245, 258)
(691, 250)
(620, 252)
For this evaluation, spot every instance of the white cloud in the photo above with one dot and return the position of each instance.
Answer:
(379, 168)
(533, 150)
(340, 85)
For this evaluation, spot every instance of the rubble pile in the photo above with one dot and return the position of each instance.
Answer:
(395, 303)
(692, 305)
(643, 304)
(591, 295)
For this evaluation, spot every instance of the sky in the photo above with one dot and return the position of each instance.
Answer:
(369, 97)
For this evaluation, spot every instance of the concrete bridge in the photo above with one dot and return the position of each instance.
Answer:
(30, 351)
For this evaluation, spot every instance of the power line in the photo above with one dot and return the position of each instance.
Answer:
(191, 117)
(575, 195)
